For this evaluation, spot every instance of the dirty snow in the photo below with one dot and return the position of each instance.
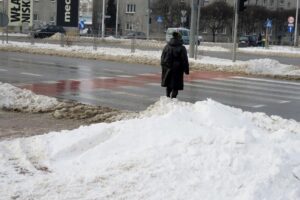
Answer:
(13, 98)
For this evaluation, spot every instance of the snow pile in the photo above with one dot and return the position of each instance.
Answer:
(14, 98)
(174, 150)
(269, 66)
(273, 50)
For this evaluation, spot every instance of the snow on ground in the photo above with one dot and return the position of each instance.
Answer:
(173, 150)
(285, 50)
(14, 98)
(256, 66)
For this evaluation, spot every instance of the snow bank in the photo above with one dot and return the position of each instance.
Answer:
(273, 67)
(173, 150)
(255, 67)
(273, 50)
(14, 98)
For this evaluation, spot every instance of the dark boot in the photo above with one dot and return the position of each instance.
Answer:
(168, 92)
(174, 94)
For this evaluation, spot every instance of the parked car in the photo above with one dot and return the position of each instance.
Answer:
(48, 31)
(185, 34)
(248, 41)
(135, 34)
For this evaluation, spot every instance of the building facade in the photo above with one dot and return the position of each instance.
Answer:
(133, 15)
(44, 11)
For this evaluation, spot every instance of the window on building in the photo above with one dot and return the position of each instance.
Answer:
(52, 19)
(53, 1)
(289, 4)
(129, 26)
(271, 2)
(264, 2)
(130, 8)
(281, 2)
(35, 17)
(204, 30)
(222, 31)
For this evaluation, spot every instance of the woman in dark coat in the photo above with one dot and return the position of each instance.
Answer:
(174, 62)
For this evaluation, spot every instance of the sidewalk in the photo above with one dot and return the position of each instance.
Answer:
(16, 124)
(67, 117)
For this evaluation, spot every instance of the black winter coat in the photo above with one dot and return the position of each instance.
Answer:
(174, 62)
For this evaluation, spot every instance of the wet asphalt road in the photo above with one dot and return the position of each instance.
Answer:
(134, 87)
(225, 55)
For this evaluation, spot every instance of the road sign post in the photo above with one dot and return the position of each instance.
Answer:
(291, 29)
(236, 18)
(296, 25)
(268, 25)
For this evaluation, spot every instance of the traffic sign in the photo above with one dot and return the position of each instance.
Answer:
(290, 29)
(81, 25)
(291, 20)
(290, 24)
(159, 19)
(268, 23)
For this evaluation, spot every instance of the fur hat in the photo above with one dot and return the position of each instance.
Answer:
(176, 35)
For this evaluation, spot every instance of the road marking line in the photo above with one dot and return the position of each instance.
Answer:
(125, 76)
(258, 106)
(237, 89)
(46, 63)
(3, 70)
(153, 84)
(266, 84)
(50, 82)
(267, 80)
(147, 74)
(104, 77)
(78, 80)
(113, 70)
(231, 92)
(246, 86)
(284, 101)
(17, 59)
(30, 74)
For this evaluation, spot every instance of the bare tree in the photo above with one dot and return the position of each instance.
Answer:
(253, 18)
(216, 17)
(171, 12)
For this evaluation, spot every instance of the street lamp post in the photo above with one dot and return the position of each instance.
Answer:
(148, 19)
(236, 17)
(117, 18)
(2, 21)
(193, 27)
(296, 25)
(103, 19)
(198, 26)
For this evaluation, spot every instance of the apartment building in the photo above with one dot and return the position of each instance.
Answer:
(86, 11)
(269, 4)
(44, 12)
(133, 15)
